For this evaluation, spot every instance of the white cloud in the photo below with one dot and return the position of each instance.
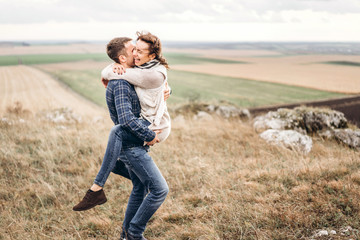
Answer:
(190, 19)
(33, 11)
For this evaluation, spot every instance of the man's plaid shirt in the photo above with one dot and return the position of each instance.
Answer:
(124, 108)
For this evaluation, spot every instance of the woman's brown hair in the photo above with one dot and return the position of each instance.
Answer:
(154, 46)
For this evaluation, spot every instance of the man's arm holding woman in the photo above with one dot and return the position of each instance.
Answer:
(126, 117)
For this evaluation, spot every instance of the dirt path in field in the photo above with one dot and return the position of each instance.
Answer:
(37, 91)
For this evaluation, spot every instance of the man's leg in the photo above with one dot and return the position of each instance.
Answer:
(145, 176)
(136, 198)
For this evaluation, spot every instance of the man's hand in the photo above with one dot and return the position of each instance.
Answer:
(105, 82)
(166, 91)
(155, 140)
(118, 68)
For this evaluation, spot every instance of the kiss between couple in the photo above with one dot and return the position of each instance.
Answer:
(136, 93)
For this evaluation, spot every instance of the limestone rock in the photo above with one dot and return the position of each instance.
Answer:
(348, 136)
(231, 111)
(301, 119)
(201, 115)
(61, 115)
(288, 139)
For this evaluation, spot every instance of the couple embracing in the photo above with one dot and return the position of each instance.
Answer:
(136, 93)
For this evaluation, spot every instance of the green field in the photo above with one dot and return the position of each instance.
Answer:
(86, 83)
(344, 63)
(50, 58)
(188, 87)
(173, 58)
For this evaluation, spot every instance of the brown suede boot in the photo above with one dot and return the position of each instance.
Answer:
(90, 200)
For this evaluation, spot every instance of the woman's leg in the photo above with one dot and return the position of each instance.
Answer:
(95, 195)
(112, 153)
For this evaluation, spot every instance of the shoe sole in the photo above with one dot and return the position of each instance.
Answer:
(84, 209)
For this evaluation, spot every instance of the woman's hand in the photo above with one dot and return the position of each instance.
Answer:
(166, 91)
(155, 140)
(118, 68)
(104, 82)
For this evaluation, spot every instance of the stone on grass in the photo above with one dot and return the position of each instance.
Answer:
(201, 115)
(301, 119)
(349, 137)
(231, 112)
(288, 139)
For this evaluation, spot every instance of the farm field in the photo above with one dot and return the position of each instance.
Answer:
(37, 91)
(189, 86)
(336, 73)
(327, 72)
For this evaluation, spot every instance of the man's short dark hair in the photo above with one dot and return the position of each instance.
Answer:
(116, 47)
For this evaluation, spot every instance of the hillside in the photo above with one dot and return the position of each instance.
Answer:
(225, 183)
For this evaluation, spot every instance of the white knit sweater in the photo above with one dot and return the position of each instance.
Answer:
(149, 85)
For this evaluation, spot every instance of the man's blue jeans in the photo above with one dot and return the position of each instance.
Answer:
(146, 178)
(118, 135)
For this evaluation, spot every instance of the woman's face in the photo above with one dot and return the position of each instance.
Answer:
(141, 53)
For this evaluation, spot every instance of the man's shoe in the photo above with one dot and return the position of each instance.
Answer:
(90, 200)
(131, 237)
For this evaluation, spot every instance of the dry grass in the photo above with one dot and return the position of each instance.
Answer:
(225, 183)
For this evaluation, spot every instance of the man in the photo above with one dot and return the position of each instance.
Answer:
(124, 108)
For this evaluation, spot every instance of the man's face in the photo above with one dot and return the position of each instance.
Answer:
(129, 46)
(141, 53)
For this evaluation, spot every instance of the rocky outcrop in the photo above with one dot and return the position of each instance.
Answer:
(348, 136)
(201, 115)
(288, 139)
(305, 120)
(229, 111)
(200, 111)
(301, 119)
(61, 115)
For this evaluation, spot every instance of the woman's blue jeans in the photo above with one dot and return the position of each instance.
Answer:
(146, 178)
(118, 135)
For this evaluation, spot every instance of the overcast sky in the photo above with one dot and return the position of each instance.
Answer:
(189, 20)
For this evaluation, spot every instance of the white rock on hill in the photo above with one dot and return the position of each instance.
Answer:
(229, 111)
(201, 115)
(61, 115)
(288, 139)
(301, 119)
(348, 136)
(326, 123)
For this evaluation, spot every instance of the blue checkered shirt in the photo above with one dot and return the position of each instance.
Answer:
(124, 107)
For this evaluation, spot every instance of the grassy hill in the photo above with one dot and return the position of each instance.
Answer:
(225, 183)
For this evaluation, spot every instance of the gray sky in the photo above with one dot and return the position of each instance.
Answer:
(208, 20)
